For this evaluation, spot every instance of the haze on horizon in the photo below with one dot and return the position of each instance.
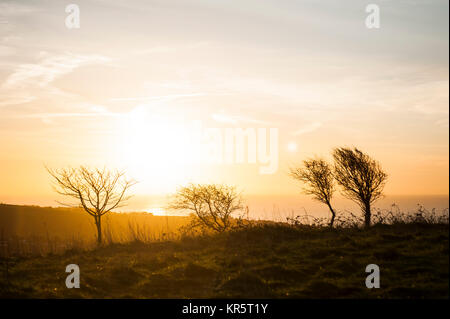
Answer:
(121, 90)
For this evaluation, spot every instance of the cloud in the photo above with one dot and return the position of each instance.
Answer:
(429, 98)
(15, 99)
(84, 111)
(48, 69)
(161, 97)
(234, 119)
(307, 129)
(30, 81)
(56, 115)
(16, 9)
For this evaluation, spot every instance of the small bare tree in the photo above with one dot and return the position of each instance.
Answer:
(97, 191)
(212, 204)
(317, 176)
(361, 178)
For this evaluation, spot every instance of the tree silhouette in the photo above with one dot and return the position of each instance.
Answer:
(212, 204)
(97, 191)
(361, 177)
(317, 178)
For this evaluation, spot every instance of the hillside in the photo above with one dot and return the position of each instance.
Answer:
(34, 230)
(267, 260)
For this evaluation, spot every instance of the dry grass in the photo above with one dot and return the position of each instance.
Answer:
(264, 260)
(258, 259)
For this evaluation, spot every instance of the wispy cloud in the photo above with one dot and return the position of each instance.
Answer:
(307, 129)
(236, 119)
(15, 99)
(56, 115)
(15, 9)
(49, 68)
(30, 81)
(85, 111)
(157, 98)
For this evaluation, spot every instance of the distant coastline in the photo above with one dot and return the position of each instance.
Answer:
(278, 207)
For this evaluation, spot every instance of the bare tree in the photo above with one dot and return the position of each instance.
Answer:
(96, 191)
(361, 178)
(212, 204)
(317, 176)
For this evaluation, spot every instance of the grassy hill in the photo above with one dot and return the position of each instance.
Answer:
(261, 261)
(33, 230)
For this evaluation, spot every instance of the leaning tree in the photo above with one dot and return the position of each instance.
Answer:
(362, 179)
(96, 191)
(318, 181)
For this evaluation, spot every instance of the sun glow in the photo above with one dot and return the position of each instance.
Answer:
(292, 147)
(156, 148)
(157, 211)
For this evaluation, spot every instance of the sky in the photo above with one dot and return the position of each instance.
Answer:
(127, 89)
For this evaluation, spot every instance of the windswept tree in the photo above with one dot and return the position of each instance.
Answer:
(212, 204)
(361, 177)
(317, 178)
(96, 191)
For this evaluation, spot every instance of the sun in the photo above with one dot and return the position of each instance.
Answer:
(155, 148)
(292, 147)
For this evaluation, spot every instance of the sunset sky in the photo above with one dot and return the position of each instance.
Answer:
(124, 90)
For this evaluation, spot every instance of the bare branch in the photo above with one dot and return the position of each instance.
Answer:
(212, 204)
(97, 191)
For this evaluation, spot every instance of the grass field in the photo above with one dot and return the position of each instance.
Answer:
(267, 260)
(34, 230)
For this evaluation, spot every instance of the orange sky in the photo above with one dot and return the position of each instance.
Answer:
(126, 88)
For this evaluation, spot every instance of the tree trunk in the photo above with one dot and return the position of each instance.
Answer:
(367, 215)
(99, 229)
(333, 215)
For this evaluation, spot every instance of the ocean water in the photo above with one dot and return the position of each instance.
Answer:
(278, 208)
(270, 207)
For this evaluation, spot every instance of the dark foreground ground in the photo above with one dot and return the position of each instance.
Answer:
(269, 261)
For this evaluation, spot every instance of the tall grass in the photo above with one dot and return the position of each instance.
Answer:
(392, 216)
(35, 245)
(134, 230)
